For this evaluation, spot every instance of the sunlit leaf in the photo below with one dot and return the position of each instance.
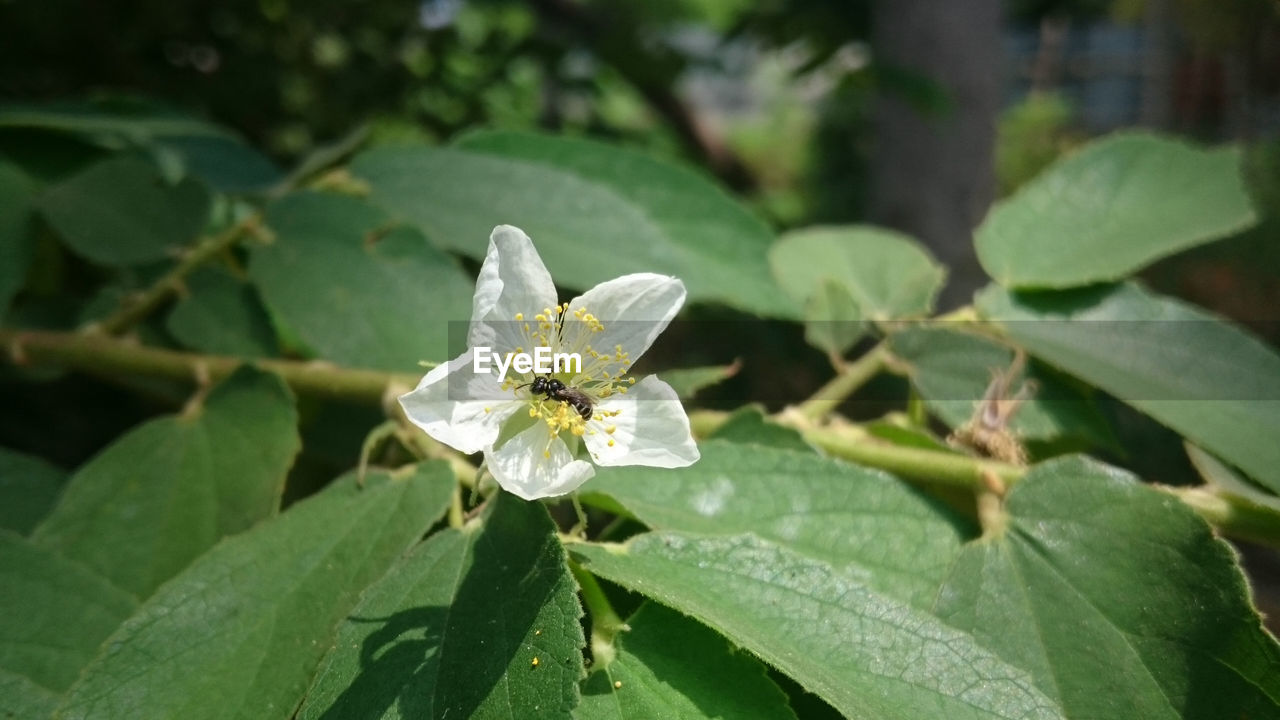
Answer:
(594, 211)
(886, 274)
(688, 381)
(865, 523)
(1094, 565)
(1112, 208)
(1199, 375)
(240, 632)
(669, 666)
(54, 613)
(357, 288)
(867, 655)
(145, 507)
(477, 623)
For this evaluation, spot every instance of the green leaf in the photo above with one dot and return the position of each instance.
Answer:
(121, 211)
(240, 632)
(749, 425)
(212, 153)
(671, 667)
(54, 613)
(886, 274)
(1111, 209)
(158, 497)
(832, 321)
(17, 236)
(865, 523)
(867, 655)
(222, 314)
(225, 162)
(454, 630)
(688, 381)
(357, 288)
(594, 211)
(1204, 378)
(1095, 565)
(29, 487)
(951, 371)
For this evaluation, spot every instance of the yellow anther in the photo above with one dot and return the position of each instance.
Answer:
(488, 410)
(533, 412)
(540, 318)
(519, 316)
(610, 442)
(631, 381)
(546, 454)
(611, 429)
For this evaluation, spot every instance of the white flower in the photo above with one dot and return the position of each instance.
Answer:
(536, 446)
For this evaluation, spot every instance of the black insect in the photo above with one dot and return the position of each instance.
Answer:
(557, 390)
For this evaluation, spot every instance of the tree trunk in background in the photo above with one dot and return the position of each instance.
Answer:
(932, 173)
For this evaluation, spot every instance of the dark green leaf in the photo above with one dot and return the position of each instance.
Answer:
(121, 211)
(951, 371)
(477, 623)
(671, 667)
(205, 150)
(356, 288)
(29, 487)
(222, 314)
(594, 212)
(1094, 567)
(240, 632)
(867, 655)
(158, 497)
(1111, 209)
(886, 274)
(54, 613)
(864, 522)
(17, 237)
(1191, 371)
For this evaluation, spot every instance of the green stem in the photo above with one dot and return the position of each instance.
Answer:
(605, 623)
(103, 356)
(930, 466)
(457, 518)
(1232, 516)
(136, 308)
(855, 375)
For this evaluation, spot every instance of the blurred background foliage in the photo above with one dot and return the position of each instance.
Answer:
(775, 98)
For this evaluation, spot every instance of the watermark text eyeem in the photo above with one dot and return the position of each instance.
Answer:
(542, 362)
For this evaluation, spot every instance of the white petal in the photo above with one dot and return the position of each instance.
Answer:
(634, 310)
(458, 407)
(512, 280)
(652, 429)
(527, 466)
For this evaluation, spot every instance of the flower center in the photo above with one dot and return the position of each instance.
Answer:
(602, 373)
